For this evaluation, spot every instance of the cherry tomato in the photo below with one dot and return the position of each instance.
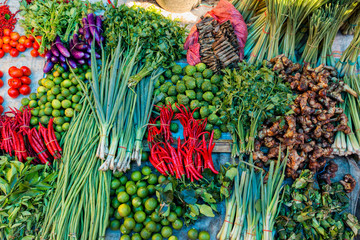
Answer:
(25, 90)
(1, 74)
(31, 37)
(6, 48)
(7, 32)
(34, 53)
(14, 52)
(14, 36)
(15, 72)
(28, 43)
(13, 93)
(1, 109)
(36, 45)
(25, 80)
(11, 69)
(14, 82)
(26, 71)
(13, 43)
(22, 39)
(1, 100)
(1, 83)
(2, 53)
(38, 38)
(21, 47)
(6, 39)
(1, 43)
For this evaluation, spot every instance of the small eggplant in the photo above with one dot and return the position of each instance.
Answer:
(92, 24)
(62, 58)
(72, 63)
(81, 46)
(88, 50)
(75, 39)
(65, 66)
(57, 39)
(98, 23)
(97, 36)
(86, 29)
(48, 55)
(48, 66)
(77, 54)
(89, 62)
(54, 59)
(63, 50)
(55, 51)
(71, 44)
(81, 61)
(87, 55)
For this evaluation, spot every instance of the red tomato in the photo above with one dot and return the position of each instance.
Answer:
(15, 72)
(25, 90)
(1, 100)
(14, 82)
(13, 43)
(2, 53)
(26, 71)
(14, 52)
(1, 43)
(1, 83)
(11, 69)
(13, 93)
(7, 32)
(25, 80)
(14, 36)
(38, 38)
(36, 45)
(6, 39)
(21, 47)
(1, 109)
(34, 53)
(28, 43)
(22, 39)
(6, 48)
(1, 74)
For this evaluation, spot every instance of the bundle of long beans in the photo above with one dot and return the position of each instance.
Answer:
(336, 14)
(79, 207)
(298, 12)
(348, 27)
(253, 207)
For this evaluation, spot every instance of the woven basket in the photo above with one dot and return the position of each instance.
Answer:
(178, 6)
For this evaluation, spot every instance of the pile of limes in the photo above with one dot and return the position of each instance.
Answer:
(193, 234)
(135, 208)
(58, 96)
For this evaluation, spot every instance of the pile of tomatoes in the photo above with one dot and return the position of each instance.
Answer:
(1, 98)
(19, 81)
(13, 44)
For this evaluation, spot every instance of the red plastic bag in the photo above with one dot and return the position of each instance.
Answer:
(222, 12)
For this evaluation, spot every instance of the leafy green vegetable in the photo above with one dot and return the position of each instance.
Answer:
(25, 190)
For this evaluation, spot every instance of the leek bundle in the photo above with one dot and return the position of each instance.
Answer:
(349, 26)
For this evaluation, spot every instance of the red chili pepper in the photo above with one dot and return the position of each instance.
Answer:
(109, 2)
(52, 140)
(40, 152)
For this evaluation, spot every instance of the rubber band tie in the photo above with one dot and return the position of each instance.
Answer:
(41, 152)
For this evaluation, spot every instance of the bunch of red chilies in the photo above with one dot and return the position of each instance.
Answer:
(188, 159)
(18, 139)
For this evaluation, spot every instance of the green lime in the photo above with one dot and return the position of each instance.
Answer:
(44, 120)
(145, 234)
(65, 126)
(55, 90)
(161, 179)
(43, 99)
(147, 220)
(128, 183)
(166, 232)
(66, 103)
(115, 184)
(193, 234)
(58, 128)
(131, 189)
(172, 217)
(67, 119)
(144, 156)
(146, 170)
(124, 230)
(32, 96)
(88, 75)
(151, 204)
(48, 104)
(35, 112)
(138, 227)
(151, 226)
(129, 223)
(73, 89)
(49, 84)
(123, 197)
(139, 216)
(51, 77)
(164, 222)
(155, 217)
(55, 113)
(118, 174)
(179, 211)
(173, 238)
(138, 209)
(57, 80)
(142, 192)
(34, 121)
(123, 179)
(39, 95)
(120, 189)
(75, 98)
(65, 75)
(151, 189)
(56, 104)
(115, 203)
(66, 83)
(157, 236)
(177, 224)
(33, 104)
(69, 112)
(116, 214)
(61, 121)
(203, 235)
(115, 224)
(78, 107)
(136, 176)
(48, 111)
(125, 237)
(136, 236)
(124, 210)
(141, 184)
(136, 202)
(41, 112)
(60, 69)
(152, 179)
(25, 101)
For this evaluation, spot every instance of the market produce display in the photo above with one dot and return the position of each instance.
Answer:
(262, 86)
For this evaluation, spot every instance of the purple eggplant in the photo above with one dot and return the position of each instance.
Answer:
(72, 63)
(89, 62)
(62, 58)
(86, 28)
(97, 36)
(88, 50)
(54, 59)
(48, 55)
(81, 46)
(57, 39)
(87, 55)
(55, 51)
(75, 39)
(92, 24)
(48, 66)
(71, 44)
(65, 66)
(81, 61)
(63, 50)
(77, 54)
(98, 23)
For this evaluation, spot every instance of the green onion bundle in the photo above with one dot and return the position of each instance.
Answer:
(248, 8)
(79, 207)
(349, 26)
